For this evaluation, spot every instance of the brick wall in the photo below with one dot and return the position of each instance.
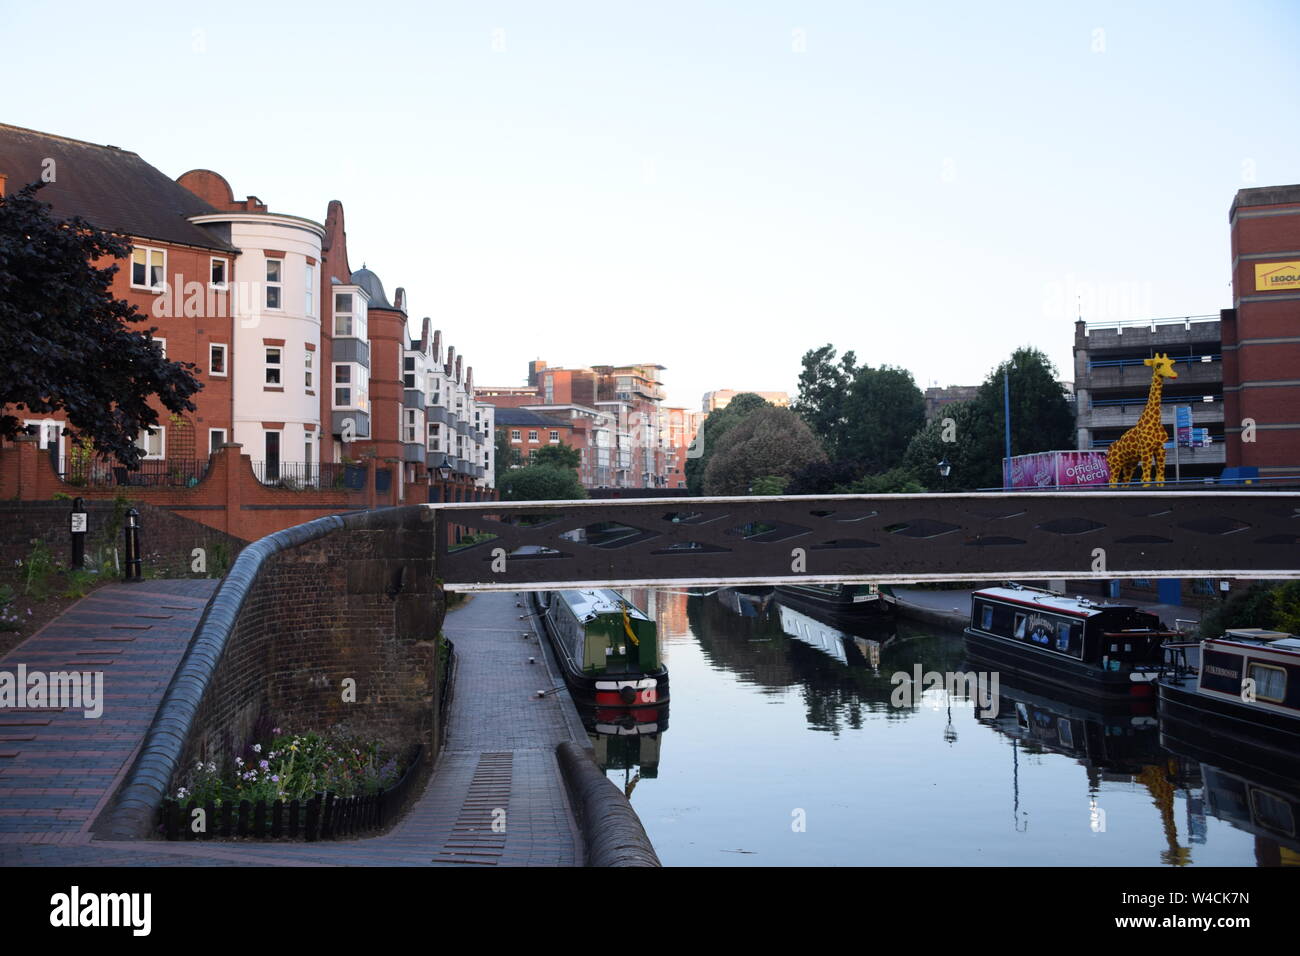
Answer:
(167, 540)
(344, 597)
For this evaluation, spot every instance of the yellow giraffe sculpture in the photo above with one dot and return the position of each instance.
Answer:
(1144, 443)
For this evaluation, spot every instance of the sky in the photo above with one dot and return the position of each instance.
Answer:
(717, 188)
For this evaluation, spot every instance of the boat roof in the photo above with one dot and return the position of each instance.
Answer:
(589, 602)
(1258, 635)
(1057, 603)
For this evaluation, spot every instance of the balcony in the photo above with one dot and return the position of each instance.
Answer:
(360, 421)
(151, 473)
(352, 350)
(300, 476)
(413, 398)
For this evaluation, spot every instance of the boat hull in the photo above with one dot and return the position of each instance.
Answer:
(1068, 674)
(840, 608)
(1258, 737)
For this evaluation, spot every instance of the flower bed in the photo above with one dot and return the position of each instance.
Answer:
(301, 786)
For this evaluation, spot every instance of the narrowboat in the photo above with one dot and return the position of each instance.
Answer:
(839, 601)
(1243, 690)
(607, 648)
(1110, 650)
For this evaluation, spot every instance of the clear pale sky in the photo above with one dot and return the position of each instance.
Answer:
(714, 187)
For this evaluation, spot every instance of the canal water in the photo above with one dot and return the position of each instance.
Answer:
(788, 742)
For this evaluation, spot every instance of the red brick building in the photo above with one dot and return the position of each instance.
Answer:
(1261, 333)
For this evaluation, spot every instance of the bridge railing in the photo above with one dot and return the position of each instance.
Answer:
(884, 539)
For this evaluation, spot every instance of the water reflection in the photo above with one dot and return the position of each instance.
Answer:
(777, 711)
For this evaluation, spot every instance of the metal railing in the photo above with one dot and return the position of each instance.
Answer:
(151, 473)
(300, 476)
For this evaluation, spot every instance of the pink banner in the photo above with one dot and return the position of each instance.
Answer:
(1059, 469)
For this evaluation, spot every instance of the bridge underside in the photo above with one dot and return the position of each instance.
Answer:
(883, 539)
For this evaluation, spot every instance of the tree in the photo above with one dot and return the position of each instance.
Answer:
(717, 424)
(561, 456)
(823, 389)
(507, 455)
(768, 442)
(883, 409)
(896, 481)
(64, 341)
(958, 435)
(540, 483)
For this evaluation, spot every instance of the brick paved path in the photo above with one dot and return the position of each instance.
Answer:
(58, 767)
(498, 765)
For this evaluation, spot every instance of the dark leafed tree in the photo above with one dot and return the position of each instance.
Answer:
(823, 390)
(540, 483)
(1041, 416)
(717, 424)
(561, 456)
(507, 455)
(882, 410)
(65, 342)
(768, 443)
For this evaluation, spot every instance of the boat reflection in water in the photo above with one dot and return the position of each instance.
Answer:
(843, 670)
(1258, 797)
(1114, 741)
(626, 739)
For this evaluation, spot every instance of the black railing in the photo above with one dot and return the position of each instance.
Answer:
(151, 473)
(302, 476)
(323, 816)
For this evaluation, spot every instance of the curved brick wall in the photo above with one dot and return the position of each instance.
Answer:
(345, 596)
(611, 830)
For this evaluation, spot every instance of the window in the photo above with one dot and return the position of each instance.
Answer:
(408, 371)
(410, 426)
(1270, 682)
(273, 366)
(309, 456)
(434, 436)
(219, 272)
(342, 313)
(309, 302)
(986, 617)
(532, 434)
(342, 385)
(308, 380)
(1062, 636)
(1019, 630)
(216, 438)
(274, 282)
(152, 442)
(272, 459)
(148, 268)
(217, 360)
(514, 434)
(162, 346)
(555, 436)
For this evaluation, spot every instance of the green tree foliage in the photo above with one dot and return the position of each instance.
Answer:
(768, 442)
(561, 456)
(1253, 606)
(717, 424)
(896, 481)
(507, 455)
(970, 434)
(957, 435)
(540, 483)
(883, 410)
(823, 392)
(65, 344)
(770, 485)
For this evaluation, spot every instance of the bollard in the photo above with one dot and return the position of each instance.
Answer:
(77, 525)
(133, 563)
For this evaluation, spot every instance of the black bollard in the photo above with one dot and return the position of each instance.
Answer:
(77, 525)
(133, 564)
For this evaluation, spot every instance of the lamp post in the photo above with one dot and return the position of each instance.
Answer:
(1006, 416)
(945, 468)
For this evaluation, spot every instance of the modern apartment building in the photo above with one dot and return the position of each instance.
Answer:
(722, 397)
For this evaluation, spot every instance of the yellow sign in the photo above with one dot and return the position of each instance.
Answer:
(1277, 275)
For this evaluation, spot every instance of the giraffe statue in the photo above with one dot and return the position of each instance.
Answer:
(1144, 443)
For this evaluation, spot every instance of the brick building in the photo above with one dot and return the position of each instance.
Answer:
(1261, 332)
(304, 363)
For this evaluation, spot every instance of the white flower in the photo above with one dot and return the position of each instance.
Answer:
(257, 748)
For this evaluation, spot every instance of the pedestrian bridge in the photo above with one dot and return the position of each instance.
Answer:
(859, 539)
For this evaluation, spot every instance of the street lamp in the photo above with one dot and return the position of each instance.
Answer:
(945, 468)
(1006, 409)
(444, 468)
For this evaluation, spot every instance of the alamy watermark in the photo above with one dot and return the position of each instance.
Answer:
(76, 690)
(978, 686)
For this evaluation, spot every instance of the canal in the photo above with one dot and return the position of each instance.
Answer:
(788, 743)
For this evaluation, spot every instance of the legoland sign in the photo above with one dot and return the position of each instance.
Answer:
(1270, 276)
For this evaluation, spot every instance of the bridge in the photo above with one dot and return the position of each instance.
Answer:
(858, 539)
